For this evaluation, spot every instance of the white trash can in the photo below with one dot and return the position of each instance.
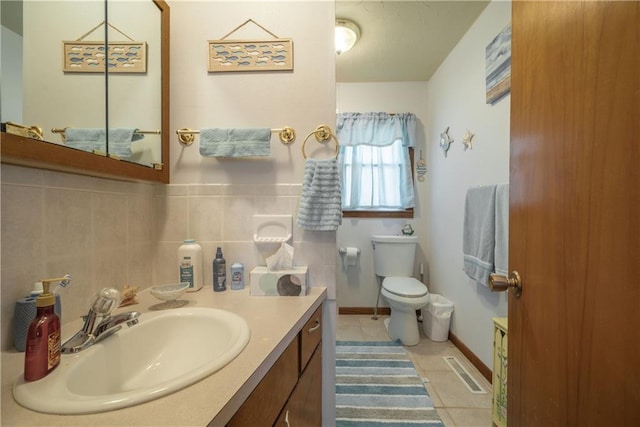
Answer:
(436, 318)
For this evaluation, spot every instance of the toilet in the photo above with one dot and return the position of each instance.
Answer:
(393, 259)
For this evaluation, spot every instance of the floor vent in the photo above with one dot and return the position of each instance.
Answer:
(464, 376)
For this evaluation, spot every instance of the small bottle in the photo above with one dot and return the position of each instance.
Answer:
(190, 260)
(43, 338)
(237, 276)
(219, 272)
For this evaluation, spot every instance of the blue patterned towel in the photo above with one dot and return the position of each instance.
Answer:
(320, 203)
(235, 142)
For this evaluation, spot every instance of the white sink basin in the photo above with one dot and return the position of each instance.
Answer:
(165, 352)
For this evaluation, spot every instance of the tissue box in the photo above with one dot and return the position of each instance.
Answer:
(291, 282)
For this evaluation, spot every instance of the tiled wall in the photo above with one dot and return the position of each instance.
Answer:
(221, 215)
(98, 230)
(108, 233)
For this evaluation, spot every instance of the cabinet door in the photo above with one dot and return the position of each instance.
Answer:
(304, 407)
(263, 405)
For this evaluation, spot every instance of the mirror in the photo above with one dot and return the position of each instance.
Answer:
(108, 102)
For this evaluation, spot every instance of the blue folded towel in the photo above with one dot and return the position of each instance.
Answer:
(501, 260)
(478, 236)
(321, 202)
(89, 139)
(86, 139)
(235, 142)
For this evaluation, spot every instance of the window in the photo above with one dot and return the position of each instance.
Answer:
(376, 164)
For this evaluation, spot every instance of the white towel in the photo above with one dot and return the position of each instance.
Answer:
(478, 237)
(501, 260)
(320, 203)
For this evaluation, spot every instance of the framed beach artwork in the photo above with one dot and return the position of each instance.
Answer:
(498, 65)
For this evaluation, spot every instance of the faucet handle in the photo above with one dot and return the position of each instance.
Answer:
(106, 301)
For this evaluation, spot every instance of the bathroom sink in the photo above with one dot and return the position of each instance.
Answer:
(165, 352)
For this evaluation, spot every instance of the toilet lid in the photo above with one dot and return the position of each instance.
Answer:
(407, 287)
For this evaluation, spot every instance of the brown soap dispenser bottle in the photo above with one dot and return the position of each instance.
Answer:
(42, 352)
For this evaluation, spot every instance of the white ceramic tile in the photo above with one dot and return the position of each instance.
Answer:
(237, 218)
(272, 205)
(141, 212)
(110, 220)
(21, 175)
(205, 218)
(67, 222)
(110, 268)
(140, 265)
(172, 218)
(238, 190)
(22, 225)
(205, 189)
(166, 262)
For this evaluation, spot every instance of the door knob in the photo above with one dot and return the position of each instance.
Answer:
(499, 283)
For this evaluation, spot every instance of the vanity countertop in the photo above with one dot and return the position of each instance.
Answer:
(274, 322)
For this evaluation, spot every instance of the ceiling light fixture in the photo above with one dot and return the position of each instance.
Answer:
(347, 34)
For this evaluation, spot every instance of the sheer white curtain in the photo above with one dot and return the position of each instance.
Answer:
(374, 159)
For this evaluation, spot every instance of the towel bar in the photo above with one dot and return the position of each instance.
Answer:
(186, 136)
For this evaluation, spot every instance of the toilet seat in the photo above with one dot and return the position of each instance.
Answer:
(407, 287)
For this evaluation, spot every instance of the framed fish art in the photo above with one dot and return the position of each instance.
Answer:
(91, 57)
(250, 55)
(274, 54)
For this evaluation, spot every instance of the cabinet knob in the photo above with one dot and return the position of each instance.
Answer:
(499, 283)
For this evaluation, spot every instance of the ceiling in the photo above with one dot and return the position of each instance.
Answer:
(402, 40)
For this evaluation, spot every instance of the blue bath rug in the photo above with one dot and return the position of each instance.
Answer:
(377, 385)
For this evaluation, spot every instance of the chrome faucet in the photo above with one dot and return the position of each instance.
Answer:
(106, 301)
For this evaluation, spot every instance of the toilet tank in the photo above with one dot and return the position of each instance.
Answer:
(394, 255)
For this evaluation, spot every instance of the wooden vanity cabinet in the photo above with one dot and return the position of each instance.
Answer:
(291, 392)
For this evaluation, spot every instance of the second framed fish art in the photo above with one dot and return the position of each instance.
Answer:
(273, 54)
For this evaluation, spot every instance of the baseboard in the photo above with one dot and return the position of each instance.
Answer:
(475, 360)
(386, 311)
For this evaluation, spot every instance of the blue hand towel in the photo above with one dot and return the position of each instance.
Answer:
(235, 142)
(478, 236)
(502, 230)
(120, 141)
(320, 203)
(88, 139)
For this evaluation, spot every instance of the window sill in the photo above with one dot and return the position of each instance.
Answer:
(378, 214)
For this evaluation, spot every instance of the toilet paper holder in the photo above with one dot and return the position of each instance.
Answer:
(343, 250)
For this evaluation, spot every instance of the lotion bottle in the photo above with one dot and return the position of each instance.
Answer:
(42, 353)
(190, 260)
(219, 272)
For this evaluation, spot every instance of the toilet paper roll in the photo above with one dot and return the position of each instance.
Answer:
(351, 257)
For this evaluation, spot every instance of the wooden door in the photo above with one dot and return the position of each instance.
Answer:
(574, 334)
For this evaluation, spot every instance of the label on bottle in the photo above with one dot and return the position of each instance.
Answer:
(237, 281)
(53, 348)
(186, 271)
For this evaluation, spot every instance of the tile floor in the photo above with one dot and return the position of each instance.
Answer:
(457, 406)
